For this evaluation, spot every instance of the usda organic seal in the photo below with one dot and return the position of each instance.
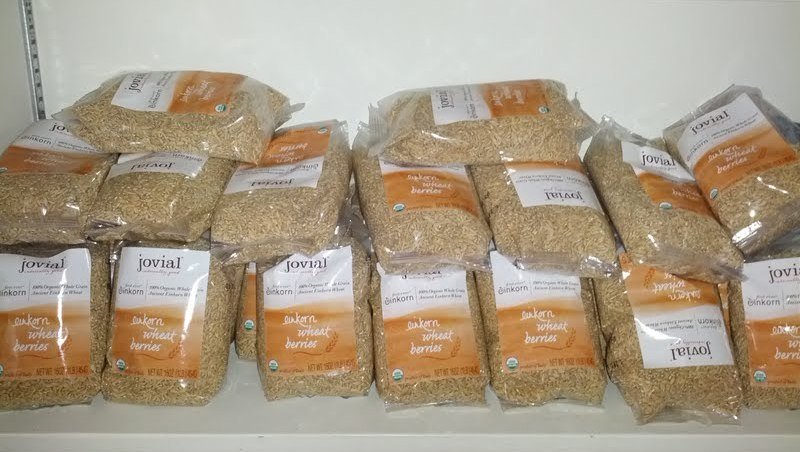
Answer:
(512, 363)
(2, 369)
(760, 376)
(714, 193)
(220, 108)
(399, 207)
(665, 206)
(121, 365)
(397, 375)
(249, 324)
(273, 365)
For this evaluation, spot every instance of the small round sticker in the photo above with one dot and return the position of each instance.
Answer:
(121, 365)
(2, 369)
(3, 169)
(397, 375)
(399, 207)
(512, 363)
(665, 206)
(273, 365)
(220, 108)
(544, 109)
(249, 324)
(322, 130)
(714, 193)
(760, 376)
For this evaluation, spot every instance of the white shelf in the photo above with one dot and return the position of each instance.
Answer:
(240, 419)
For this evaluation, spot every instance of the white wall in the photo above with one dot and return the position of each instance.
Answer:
(644, 62)
(16, 110)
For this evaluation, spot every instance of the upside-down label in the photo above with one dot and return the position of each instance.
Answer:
(678, 321)
(552, 184)
(667, 184)
(44, 315)
(160, 300)
(541, 319)
(249, 292)
(158, 162)
(489, 100)
(428, 187)
(293, 159)
(177, 91)
(47, 147)
(309, 322)
(731, 143)
(427, 325)
(771, 299)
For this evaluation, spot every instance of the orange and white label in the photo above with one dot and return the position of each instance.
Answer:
(428, 187)
(771, 299)
(427, 326)
(552, 184)
(678, 321)
(731, 143)
(160, 299)
(541, 319)
(47, 147)
(309, 322)
(177, 91)
(45, 325)
(249, 293)
(489, 100)
(293, 159)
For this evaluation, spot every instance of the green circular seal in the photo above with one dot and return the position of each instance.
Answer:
(399, 207)
(760, 376)
(2, 369)
(273, 365)
(512, 363)
(249, 324)
(220, 108)
(544, 109)
(121, 365)
(714, 193)
(322, 130)
(665, 206)
(397, 375)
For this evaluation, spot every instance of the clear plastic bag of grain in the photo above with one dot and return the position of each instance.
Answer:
(158, 196)
(214, 114)
(420, 217)
(765, 319)
(290, 202)
(482, 124)
(174, 309)
(53, 317)
(667, 347)
(314, 336)
(48, 180)
(744, 154)
(546, 216)
(657, 208)
(542, 335)
(429, 342)
(245, 335)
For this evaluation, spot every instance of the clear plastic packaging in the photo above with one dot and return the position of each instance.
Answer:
(158, 196)
(420, 217)
(429, 342)
(657, 207)
(245, 335)
(744, 154)
(546, 216)
(290, 203)
(325, 349)
(765, 319)
(214, 114)
(667, 348)
(490, 123)
(64, 335)
(174, 308)
(48, 181)
(542, 336)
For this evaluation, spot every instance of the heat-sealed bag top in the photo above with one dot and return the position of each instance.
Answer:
(744, 154)
(215, 114)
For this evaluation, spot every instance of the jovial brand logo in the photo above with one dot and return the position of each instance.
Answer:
(783, 275)
(305, 265)
(691, 350)
(445, 99)
(41, 265)
(161, 263)
(709, 121)
(559, 195)
(136, 82)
